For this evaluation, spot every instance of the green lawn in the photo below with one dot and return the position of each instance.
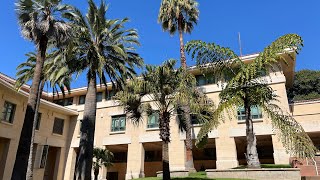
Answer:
(192, 176)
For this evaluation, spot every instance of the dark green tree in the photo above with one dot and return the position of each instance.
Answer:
(306, 86)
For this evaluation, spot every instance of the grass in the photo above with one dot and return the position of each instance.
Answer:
(193, 176)
(267, 166)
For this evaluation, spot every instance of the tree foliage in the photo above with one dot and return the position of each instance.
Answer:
(160, 88)
(172, 10)
(55, 72)
(248, 82)
(306, 86)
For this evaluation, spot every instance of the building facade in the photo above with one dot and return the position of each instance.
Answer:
(137, 147)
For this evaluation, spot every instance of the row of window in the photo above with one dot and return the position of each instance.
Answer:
(118, 123)
(82, 99)
(209, 78)
(8, 113)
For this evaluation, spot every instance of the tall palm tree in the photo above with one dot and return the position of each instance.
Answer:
(248, 88)
(40, 22)
(162, 86)
(104, 49)
(55, 73)
(102, 157)
(181, 15)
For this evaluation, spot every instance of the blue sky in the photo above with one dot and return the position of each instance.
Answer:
(259, 22)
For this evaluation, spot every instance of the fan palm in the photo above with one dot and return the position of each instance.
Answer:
(55, 73)
(181, 15)
(102, 157)
(104, 49)
(248, 88)
(162, 86)
(40, 22)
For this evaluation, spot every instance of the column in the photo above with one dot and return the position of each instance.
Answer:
(10, 159)
(70, 164)
(226, 152)
(135, 161)
(279, 152)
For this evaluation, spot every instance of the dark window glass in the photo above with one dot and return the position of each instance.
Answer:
(99, 96)
(109, 94)
(38, 121)
(8, 112)
(68, 101)
(44, 156)
(82, 99)
(256, 113)
(118, 123)
(58, 126)
(153, 156)
(153, 120)
(205, 79)
(119, 157)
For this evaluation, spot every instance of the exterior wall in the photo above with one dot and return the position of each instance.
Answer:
(136, 134)
(133, 139)
(44, 136)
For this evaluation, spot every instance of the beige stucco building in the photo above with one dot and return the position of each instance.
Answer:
(137, 148)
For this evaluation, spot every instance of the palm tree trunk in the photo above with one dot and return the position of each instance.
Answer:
(165, 161)
(30, 162)
(252, 154)
(21, 161)
(182, 53)
(186, 109)
(84, 161)
(165, 136)
(96, 173)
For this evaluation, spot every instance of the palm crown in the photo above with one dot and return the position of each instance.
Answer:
(103, 46)
(39, 18)
(173, 11)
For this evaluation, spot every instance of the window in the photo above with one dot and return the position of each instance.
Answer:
(109, 94)
(153, 120)
(58, 126)
(118, 123)
(255, 113)
(205, 79)
(151, 156)
(38, 121)
(82, 99)
(64, 102)
(44, 156)
(8, 112)
(99, 96)
(68, 101)
(119, 157)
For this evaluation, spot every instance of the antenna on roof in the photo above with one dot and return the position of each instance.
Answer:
(239, 41)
